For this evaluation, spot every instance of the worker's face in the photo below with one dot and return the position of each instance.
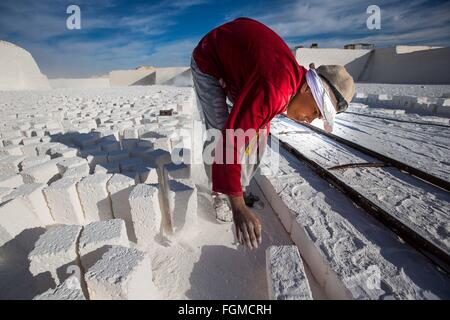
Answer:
(303, 107)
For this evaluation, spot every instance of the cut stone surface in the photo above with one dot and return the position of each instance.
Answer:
(68, 163)
(78, 171)
(177, 171)
(32, 161)
(182, 204)
(119, 188)
(55, 251)
(121, 274)
(16, 216)
(33, 197)
(157, 158)
(145, 212)
(96, 235)
(10, 164)
(10, 180)
(147, 174)
(42, 173)
(64, 202)
(286, 278)
(94, 197)
(70, 289)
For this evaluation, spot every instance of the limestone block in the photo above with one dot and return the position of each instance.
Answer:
(286, 278)
(67, 163)
(94, 197)
(55, 250)
(111, 167)
(33, 197)
(147, 174)
(78, 172)
(157, 158)
(33, 161)
(63, 201)
(42, 173)
(15, 216)
(70, 289)
(119, 188)
(145, 212)
(122, 273)
(10, 164)
(96, 236)
(182, 204)
(10, 180)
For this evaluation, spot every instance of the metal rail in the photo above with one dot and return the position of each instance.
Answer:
(441, 183)
(437, 255)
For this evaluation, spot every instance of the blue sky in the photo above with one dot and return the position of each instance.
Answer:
(118, 34)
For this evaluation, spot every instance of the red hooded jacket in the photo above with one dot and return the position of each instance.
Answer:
(259, 74)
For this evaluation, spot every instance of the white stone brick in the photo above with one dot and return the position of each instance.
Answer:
(78, 172)
(286, 278)
(67, 153)
(94, 197)
(10, 164)
(33, 197)
(162, 143)
(182, 217)
(157, 158)
(67, 163)
(70, 289)
(33, 161)
(30, 149)
(122, 273)
(177, 171)
(15, 216)
(119, 188)
(44, 148)
(96, 157)
(147, 174)
(96, 236)
(10, 180)
(112, 167)
(12, 150)
(42, 173)
(4, 192)
(145, 212)
(63, 201)
(55, 250)
(32, 140)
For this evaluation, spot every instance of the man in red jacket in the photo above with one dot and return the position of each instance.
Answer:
(248, 63)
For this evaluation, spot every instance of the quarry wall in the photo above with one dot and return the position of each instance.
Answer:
(19, 71)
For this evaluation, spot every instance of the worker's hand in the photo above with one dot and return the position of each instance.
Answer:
(248, 226)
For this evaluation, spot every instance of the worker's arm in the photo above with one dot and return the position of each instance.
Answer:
(253, 109)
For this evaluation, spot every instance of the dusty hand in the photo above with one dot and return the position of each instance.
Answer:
(248, 226)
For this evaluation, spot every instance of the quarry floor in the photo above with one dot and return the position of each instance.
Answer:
(209, 264)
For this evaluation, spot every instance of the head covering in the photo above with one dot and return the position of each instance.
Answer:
(339, 78)
(322, 99)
